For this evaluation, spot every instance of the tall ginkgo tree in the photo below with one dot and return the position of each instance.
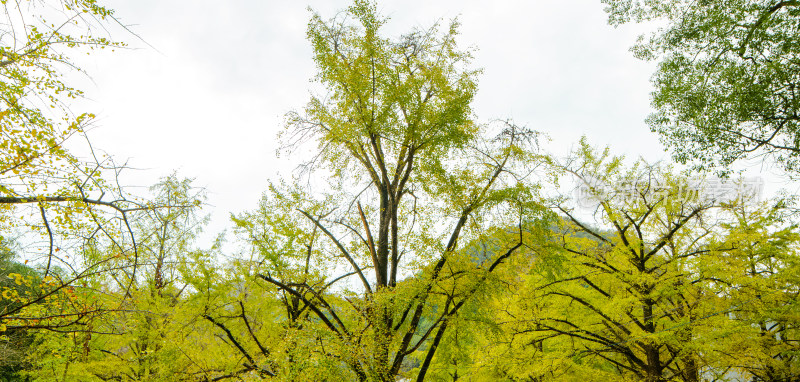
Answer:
(419, 205)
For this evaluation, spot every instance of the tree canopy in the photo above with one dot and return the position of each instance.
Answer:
(60, 199)
(416, 242)
(727, 77)
(414, 183)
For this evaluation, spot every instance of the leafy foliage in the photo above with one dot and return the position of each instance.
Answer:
(411, 176)
(666, 291)
(727, 78)
(415, 243)
(59, 205)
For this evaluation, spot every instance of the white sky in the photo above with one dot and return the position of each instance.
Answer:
(208, 98)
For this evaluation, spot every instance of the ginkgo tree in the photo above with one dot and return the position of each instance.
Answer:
(59, 197)
(146, 337)
(761, 275)
(662, 287)
(421, 205)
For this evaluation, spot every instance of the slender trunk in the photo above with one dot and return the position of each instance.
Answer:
(690, 372)
(431, 351)
(395, 249)
(654, 370)
(654, 367)
(381, 269)
(383, 338)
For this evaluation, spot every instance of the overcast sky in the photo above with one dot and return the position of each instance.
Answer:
(207, 96)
